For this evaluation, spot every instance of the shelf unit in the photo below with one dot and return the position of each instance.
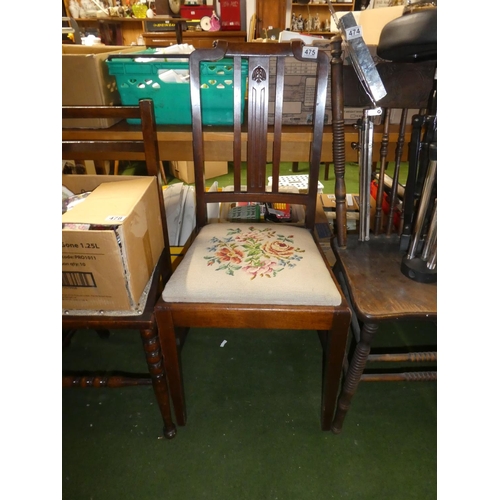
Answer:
(198, 39)
(115, 30)
(126, 31)
(129, 30)
(311, 9)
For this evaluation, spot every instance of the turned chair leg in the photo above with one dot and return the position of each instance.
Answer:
(172, 356)
(333, 355)
(353, 377)
(154, 359)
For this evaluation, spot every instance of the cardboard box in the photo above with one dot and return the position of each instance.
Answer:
(184, 170)
(298, 101)
(372, 21)
(108, 266)
(86, 81)
(327, 202)
(299, 76)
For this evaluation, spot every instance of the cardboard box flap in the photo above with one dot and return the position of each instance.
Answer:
(82, 183)
(110, 203)
(96, 49)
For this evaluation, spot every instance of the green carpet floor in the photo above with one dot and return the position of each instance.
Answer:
(253, 427)
(253, 430)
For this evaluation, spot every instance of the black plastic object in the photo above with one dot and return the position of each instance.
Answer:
(416, 269)
(410, 38)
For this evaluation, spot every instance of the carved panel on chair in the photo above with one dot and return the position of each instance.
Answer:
(259, 74)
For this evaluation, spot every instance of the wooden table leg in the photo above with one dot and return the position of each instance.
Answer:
(327, 170)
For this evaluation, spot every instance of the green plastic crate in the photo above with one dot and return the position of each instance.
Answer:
(140, 80)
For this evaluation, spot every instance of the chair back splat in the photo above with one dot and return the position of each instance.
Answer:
(266, 69)
(255, 261)
(142, 320)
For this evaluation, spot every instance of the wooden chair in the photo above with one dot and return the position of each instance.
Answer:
(255, 273)
(370, 272)
(147, 148)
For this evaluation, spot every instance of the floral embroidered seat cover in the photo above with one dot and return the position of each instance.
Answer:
(244, 263)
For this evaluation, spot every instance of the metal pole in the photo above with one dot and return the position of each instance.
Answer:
(365, 171)
(424, 200)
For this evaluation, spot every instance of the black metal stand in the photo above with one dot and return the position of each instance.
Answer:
(423, 267)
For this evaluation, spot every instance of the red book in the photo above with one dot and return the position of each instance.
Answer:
(230, 19)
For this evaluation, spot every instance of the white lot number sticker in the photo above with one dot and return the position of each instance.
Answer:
(310, 52)
(354, 32)
(116, 218)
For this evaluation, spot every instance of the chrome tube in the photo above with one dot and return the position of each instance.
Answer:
(422, 209)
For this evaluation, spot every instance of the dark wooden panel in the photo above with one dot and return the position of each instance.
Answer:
(270, 13)
(408, 85)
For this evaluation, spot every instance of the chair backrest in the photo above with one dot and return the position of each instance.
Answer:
(256, 130)
(146, 147)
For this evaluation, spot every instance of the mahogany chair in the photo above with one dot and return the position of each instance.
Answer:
(144, 322)
(258, 273)
(369, 266)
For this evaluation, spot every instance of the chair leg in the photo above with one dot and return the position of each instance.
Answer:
(333, 358)
(156, 367)
(353, 377)
(171, 355)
